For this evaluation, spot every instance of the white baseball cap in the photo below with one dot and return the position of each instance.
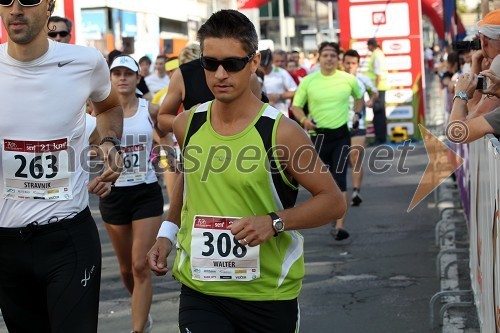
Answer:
(125, 61)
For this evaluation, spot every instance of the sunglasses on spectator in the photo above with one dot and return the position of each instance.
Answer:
(25, 3)
(53, 34)
(229, 64)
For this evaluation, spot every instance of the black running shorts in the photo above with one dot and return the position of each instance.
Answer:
(50, 276)
(202, 313)
(333, 148)
(130, 203)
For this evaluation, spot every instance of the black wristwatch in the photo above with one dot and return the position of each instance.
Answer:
(278, 224)
(114, 141)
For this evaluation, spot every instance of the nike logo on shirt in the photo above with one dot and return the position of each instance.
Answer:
(61, 64)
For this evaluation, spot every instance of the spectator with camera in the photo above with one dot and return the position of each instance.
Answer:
(467, 85)
(489, 36)
(488, 47)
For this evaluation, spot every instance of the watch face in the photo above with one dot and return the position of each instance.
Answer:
(278, 225)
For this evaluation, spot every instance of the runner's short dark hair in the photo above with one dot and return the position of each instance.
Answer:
(352, 53)
(228, 23)
(333, 45)
(145, 59)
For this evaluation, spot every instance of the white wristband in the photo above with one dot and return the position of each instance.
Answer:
(168, 230)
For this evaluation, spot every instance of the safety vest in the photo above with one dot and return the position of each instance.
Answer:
(384, 83)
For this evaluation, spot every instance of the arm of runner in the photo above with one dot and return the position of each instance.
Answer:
(167, 144)
(109, 115)
(358, 105)
(153, 113)
(157, 256)
(301, 162)
(304, 121)
(172, 102)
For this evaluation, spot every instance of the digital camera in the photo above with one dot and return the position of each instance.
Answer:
(481, 83)
(474, 44)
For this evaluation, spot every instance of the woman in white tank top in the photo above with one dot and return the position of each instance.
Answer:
(133, 210)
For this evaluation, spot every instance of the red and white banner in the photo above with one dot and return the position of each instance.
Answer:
(397, 27)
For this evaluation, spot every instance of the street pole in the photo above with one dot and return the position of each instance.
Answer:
(318, 39)
(330, 21)
(282, 24)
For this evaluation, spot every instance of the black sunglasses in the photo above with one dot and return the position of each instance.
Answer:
(53, 34)
(229, 64)
(25, 3)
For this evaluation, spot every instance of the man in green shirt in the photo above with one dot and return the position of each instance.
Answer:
(327, 94)
(377, 72)
(239, 253)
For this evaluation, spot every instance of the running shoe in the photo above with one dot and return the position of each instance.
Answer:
(149, 325)
(356, 198)
(339, 234)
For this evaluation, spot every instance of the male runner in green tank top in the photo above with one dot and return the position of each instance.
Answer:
(239, 254)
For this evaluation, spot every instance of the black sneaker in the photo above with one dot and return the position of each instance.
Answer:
(356, 198)
(339, 234)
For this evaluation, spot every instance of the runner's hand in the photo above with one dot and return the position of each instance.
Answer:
(113, 162)
(309, 125)
(252, 230)
(157, 256)
(102, 189)
(172, 160)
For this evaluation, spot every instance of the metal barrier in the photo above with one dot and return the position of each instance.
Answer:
(478, 182)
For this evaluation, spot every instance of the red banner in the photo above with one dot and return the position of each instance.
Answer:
(397, 27)
(247, 4)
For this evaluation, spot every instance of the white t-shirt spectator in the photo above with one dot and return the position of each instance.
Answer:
(279, 81)
(155, 83)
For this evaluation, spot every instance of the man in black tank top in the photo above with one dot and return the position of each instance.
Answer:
(195, 85)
